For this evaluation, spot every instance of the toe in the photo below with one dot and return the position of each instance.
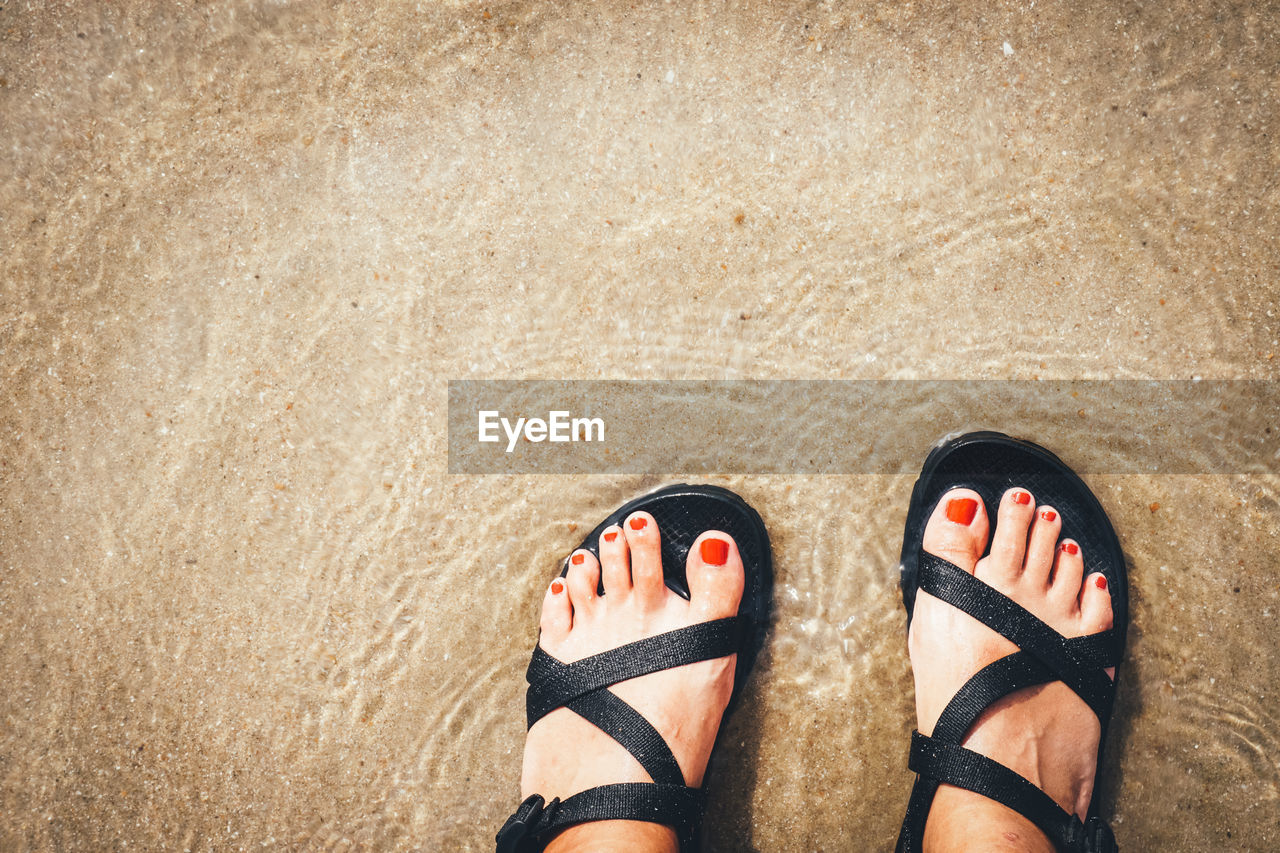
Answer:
(1095, 604)
(1068, 571)
(714, 569)
(645, 545)
(584, 581)
(957, 530)
(615, 563)
(1009, 542)
(1095, 608)
(1042, 544)
(557, 612)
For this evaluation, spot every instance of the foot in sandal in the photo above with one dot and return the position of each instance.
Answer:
(631, 678)
(1013, 654)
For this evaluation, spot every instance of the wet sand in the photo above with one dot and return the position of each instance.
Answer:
(244, 247)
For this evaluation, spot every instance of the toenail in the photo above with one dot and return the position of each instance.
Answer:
(714, 551)
(611, 535)
(961, 510)
(1071, 548)
(1023, 498)
(1048, 515)
(638, 523)
(557, 586)
(577, 559)
(1101, 582)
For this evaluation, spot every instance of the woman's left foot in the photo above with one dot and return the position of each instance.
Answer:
(1046, 734)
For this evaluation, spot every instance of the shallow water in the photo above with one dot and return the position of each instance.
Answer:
(244, 247)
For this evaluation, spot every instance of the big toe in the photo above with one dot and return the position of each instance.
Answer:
(957, 529)
(714, 569)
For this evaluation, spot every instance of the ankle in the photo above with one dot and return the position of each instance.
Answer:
(616, 836)
(961, 820)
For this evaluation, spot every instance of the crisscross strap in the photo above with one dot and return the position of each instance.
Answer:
(1044, 656)
(1011, 673)
(628, 727)
(955, 586)
(553, 684)
(993, 682)
(582, 687)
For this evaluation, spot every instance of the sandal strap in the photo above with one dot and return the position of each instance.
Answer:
(628, 727)
(582, 687)
(950, 583)
(955, 765)
(536, 822)
(1043, 656)
(1007, 675)
(553, 684)
(993, 682)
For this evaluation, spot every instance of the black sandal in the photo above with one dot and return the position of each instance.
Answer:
(990, 464)
(683, 513)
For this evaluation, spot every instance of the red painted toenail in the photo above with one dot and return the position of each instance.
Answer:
(714, 551)
(577, 559)
(638, 523)
(1021, 498)
(1071, 548)
(1101, 582)
(1048, 515)
(557, 586)
(962, 510)
(611, 535)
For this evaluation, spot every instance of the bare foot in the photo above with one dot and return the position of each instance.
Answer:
(1046, 734)
(564, 754)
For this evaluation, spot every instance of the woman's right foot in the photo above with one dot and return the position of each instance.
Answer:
(1046, 734)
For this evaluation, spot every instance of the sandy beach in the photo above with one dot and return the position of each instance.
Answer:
(245, 246)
